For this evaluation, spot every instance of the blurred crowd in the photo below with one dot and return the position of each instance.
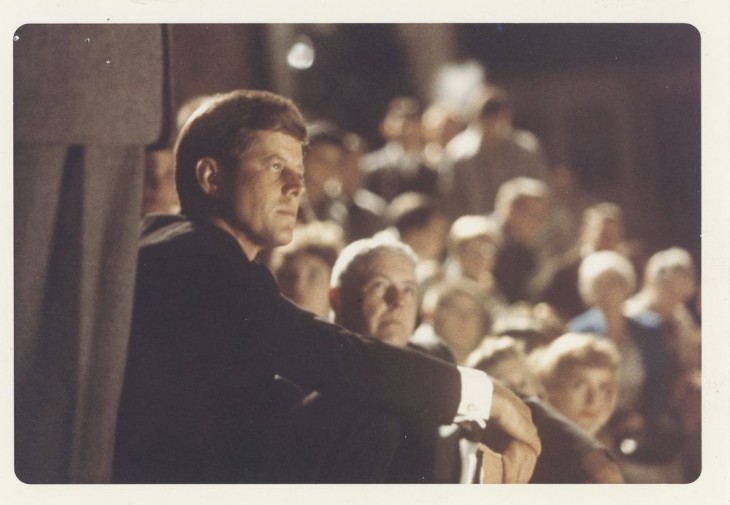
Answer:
(483, 255)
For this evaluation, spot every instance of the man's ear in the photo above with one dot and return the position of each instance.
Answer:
(335, 299)
(209, 174)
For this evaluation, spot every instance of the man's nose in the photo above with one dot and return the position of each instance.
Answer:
(590, 397)
(394, 296)
(293, 182)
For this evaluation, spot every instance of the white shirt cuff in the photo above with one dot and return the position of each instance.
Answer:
(476, 396)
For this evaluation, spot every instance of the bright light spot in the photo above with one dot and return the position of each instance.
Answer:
(456, 83)
(628, 446)
(301, 54)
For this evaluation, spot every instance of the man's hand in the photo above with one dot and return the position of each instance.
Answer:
(511, 416)
(518, 462)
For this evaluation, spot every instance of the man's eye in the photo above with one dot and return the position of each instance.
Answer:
(377, 287)
(276, 167)
(579, 386)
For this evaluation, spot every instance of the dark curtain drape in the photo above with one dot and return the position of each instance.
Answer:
(87, 100)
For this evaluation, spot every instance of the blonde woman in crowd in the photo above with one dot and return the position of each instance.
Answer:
(570, 455)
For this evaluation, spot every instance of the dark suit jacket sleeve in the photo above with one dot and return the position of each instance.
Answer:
(330, 359)
(227, 312)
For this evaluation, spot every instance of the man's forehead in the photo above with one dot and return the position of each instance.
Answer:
(267, 143)
(584, 370)
(458, 298)
(381, 261)
(274, 137)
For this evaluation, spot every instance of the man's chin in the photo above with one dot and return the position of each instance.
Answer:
(283, 238)
(394, 339)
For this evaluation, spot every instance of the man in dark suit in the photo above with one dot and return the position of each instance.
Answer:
(520, 210)
(215, 350)
(398, 166)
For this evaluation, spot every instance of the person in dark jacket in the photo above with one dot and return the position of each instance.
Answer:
(520, 210)
(216, 353)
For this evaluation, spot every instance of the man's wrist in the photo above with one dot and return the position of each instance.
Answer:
(476, 396)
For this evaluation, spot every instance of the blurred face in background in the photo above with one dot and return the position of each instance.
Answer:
(586, 395)
(610, 290)
(429, 241)
(460, 320)
(496, 127)
(477, 256)
(604, 234)
(515, 373)
(403, 128)
(304, 279)
(681, 284)
(526, 219)
(324, 163)
(439, 125)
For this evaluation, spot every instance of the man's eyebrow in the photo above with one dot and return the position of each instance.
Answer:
(376, 275)
(382, 275)
(274, 156)
(271, 156)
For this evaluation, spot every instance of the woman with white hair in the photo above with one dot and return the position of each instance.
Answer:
(605, 280)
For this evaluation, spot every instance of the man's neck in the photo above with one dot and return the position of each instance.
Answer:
(249, 248)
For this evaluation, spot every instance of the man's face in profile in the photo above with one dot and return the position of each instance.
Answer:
(263, 193)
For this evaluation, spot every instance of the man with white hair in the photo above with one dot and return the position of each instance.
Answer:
(374, 291)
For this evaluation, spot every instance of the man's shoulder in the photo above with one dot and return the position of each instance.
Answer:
(157, 228)
(176, 251)
(179, 238)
